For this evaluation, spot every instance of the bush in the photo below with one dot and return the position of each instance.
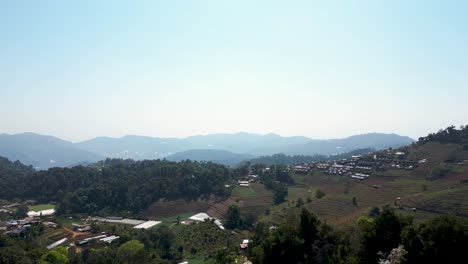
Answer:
(438, 172)
(299, 202)
(319, 194)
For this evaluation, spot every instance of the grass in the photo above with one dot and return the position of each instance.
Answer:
(173, 218)
(436, 197)
(197, 260)
(244, 192)
(41, 207)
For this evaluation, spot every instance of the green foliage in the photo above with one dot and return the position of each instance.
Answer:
(204, 239)
(114, 185)
(298, 159)
(58, 255)
(441, 240)
(306, 241)
(232, 217)
(448, 135)
(300, 202)
(374, 212)
(14, 255)
(439, 171)
(132, 251)
(21, 211)
(280, 193)
(163, 241)
(381, 235)
(319, 194)
(11, 175)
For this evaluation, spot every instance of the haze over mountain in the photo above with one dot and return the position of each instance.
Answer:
(141, 147)
(375, 141)
(46, 151)
(43, 151)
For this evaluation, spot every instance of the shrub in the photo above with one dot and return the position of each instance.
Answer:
(319, 194)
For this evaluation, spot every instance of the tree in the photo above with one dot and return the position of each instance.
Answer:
(300, 202)
(233, 217)
(382, 235)
(396, 256)
(308, 231)
(21, 211)
(438, 172)
(281, 191)
(319, 194)
(58, 255)
(132, 251)
(14, 255)
(442, 239)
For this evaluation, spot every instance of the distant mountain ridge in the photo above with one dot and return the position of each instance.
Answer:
(43, 152)
(47, 151)
(375, 141)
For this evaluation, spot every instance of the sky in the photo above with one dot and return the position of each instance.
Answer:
(322, 69)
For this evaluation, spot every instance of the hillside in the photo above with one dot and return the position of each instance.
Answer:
(219, 156)
(139, 147)
(375, 141)
(43, 152)
(423, 180)
(46, 151)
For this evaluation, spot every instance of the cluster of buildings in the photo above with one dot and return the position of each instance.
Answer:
(17, 227)
(97, 239)
(249, 179)
(360, 167)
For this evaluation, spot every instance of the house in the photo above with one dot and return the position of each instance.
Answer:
(16, 233)
(200, 217)
(50, 224)
(147, 224)
(12, 205)
(244, 183)
(57, 243)
(5, 211)
(85, 229)
(108, 239)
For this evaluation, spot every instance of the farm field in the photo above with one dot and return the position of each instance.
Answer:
(398, 188)
(172, 219)
(41, 207)
(244, 192)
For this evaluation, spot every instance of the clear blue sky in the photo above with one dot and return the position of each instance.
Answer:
(323, 69)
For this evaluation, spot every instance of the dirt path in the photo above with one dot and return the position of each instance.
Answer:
(74, 234)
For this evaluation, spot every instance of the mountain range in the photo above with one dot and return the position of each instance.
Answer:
(47, 151)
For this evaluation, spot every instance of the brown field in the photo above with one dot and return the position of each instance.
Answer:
(255, 201)
(401, 189)
(431, 198)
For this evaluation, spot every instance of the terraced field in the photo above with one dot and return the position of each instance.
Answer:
(397, 188)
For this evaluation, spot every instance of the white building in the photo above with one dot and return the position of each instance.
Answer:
(47, 212)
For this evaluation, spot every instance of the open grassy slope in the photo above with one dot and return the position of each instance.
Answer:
(402, 189)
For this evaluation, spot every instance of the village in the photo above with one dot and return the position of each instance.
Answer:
(360, 167)
(79, 234)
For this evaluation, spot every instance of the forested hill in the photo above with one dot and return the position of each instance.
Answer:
(12, 175)
(42, 151)
(113, 185)
(298, 159)
(448, 135)
(219, 156)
